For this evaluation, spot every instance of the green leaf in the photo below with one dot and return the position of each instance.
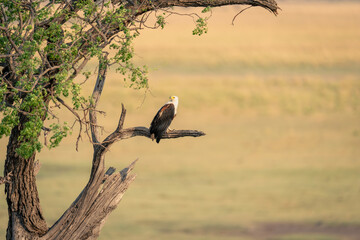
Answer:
(201, 27)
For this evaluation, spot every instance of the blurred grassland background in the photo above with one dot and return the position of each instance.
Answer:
(279, 100)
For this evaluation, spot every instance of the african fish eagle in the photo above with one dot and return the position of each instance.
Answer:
(163, 118)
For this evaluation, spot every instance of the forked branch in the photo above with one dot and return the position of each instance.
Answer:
(120, 133)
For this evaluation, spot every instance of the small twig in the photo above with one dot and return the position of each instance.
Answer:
(232, 22)
(78, 70)
(69, 108)
(45, 72)
(45, 129)
(81, 121)
(143, 100)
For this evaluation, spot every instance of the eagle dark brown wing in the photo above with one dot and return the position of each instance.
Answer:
(162, 121)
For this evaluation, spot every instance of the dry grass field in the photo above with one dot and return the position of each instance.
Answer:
(279, 100)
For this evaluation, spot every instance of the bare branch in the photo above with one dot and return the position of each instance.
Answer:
(45, 72)
(232, 22)
(69, 108)
(120, 133)
(145, 132)
(81, 121)
(96, 96)
(270, 5)
(78, 69)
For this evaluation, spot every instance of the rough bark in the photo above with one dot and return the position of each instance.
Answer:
(21, 191)
(5, 179)
(270, 5)
(104, 190)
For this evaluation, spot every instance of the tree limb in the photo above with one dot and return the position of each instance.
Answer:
(270, 5)
(99, 85)
(145, 132)
(144, 6)
(120, 133)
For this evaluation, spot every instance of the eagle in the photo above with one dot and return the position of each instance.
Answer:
(163, 118)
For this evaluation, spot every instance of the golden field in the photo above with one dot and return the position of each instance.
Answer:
(279, 100)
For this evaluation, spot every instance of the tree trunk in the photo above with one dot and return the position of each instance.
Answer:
(24, 209)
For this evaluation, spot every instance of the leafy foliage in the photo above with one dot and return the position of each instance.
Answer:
(45, 45)
(161, 21)
(43, 55)
(201, 23)
(59, 133)
(201, 27)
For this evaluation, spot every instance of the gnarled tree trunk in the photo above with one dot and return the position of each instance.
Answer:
(25, 215)
(24, 209)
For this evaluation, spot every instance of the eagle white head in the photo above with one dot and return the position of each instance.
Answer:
(174, 100)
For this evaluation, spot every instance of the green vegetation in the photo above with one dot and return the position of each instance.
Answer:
(50, 53)
(279, 99)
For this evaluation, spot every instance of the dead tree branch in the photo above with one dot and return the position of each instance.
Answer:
(85, 217)
(120, 133)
